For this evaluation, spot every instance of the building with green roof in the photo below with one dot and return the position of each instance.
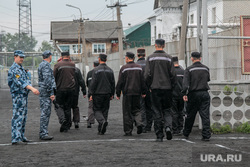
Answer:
(138, 35)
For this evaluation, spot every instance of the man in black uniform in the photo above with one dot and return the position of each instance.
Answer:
(64, 73)
(91, 117)
(79, 83)
(101, 91)
(132, 85)
(178, 103)
(160, 77)
(146, 109)
(195, 89)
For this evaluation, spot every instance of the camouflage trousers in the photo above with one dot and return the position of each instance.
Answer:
(45, 108)
(19, 117)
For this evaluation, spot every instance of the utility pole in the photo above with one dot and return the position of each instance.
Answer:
(120, 30)
(198, 40)
(183, 33)
(81, 29)
(205, 34)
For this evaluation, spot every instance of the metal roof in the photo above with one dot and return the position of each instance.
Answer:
(68, 30)
(133, 28)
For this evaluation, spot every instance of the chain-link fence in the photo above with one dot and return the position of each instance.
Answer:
(30, 63)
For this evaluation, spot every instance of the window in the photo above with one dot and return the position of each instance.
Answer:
(75, 48)
(192, 19)
(214, 15)
(64, 48)
(155, 31)
(98, 48)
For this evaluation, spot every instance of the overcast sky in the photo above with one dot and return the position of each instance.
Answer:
(45, 11)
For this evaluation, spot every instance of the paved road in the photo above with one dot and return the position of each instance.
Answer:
(84, 147)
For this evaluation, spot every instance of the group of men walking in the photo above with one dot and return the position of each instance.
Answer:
(154, 91)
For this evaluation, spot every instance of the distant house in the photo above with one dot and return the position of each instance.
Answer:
(167, 14)
(100, 36)
(138, 35)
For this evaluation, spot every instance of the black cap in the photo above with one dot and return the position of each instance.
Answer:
(65, 53)
(96, 63)
(130, 55)
(175, 59)
(141, 52)
(160, 42)
(103, 57)
(195, 54)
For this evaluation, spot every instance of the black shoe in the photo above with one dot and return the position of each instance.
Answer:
(100, 133)
(89, 125)
(46, 138)
(19, 143)
(139, 130)
(159, 139)
(127, 134)
(185, 136)
(205, 139)
(76, 125)
(104, 127)
(168, 133)
(64, 127)
(25, 140)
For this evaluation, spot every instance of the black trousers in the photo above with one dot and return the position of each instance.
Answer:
(101, 105)
(131, 112)
(64, 99)
(146, 112)
(162, 103)
(198, 101)
(178, 120)
(75, 108)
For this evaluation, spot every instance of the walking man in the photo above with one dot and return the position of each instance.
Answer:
(64, 73)
(146, 108)
(20, 86)
(195, 89)
(91, 117)
(79, 83)
(178, 103)
(131, 84)
(101, 91)
(47, 87)
(160, 77)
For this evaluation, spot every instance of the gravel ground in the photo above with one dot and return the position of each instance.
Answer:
(83, 147)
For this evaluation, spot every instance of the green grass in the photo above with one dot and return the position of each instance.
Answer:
(244, 128)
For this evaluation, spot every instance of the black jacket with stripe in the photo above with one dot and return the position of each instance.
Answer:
(130, 80)
(159, 71)
(103, 81)
(177, 94)
(196, 78)
(64, 73)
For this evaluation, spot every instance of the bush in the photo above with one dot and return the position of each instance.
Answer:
(221, 130)
(244, 128)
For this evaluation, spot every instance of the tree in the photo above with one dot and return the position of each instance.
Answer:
(12, 42)
(46, 46)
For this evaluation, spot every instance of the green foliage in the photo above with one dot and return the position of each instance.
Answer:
(227, 88)
(221, 130)
(235, 89)
(26, 43)
(46, 46)
(244, 128)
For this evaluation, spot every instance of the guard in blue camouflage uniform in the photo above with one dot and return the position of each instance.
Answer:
(19, 88)
(47, 86)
